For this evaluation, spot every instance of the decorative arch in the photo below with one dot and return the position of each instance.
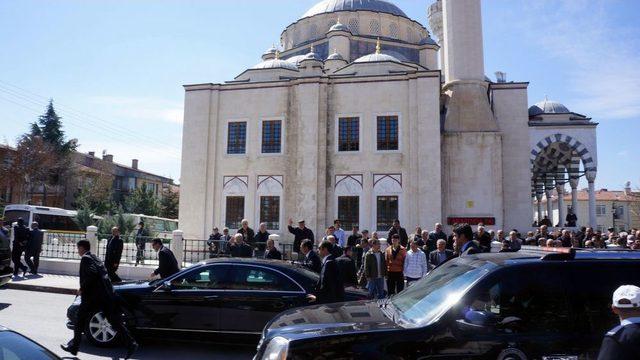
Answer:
(235, 185)
(544, 153)
(387, 183)
(348, 185)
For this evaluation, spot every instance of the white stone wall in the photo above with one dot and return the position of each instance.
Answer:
(510, 109)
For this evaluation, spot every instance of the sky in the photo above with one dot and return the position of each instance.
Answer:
(115, 69)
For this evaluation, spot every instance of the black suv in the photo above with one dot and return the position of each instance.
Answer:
(532, 304)
(5, 259)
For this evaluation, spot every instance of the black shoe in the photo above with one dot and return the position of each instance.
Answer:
(24, 272)
(70, 348)
(131, 349)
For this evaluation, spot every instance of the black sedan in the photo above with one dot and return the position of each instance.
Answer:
(17, 347)
(220, 296)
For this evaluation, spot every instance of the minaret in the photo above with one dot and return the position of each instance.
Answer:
(468, 107)
(472, 145)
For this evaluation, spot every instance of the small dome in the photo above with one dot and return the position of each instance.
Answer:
(428, 41)
(377, 57)
(269, 54)
(276, 64)
(296, 59)
(335, 56)
(271, 50)
(330, 6)
(339, 27)
(548, 107)
(312, 56)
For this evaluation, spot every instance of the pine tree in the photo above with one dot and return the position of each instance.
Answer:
(169, 204)
(142, 201)
(50, 126)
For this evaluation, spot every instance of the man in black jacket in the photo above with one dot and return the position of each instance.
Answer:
(397, 229)
(330, 288)
(97, 296)
(34, 248)
(272, 253)
(20, 239)
(240, 248)
(300, 233)
(167, 263)
(311, 260)
(347, 267)
(113, 254)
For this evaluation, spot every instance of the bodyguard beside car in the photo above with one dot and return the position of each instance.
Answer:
(529, 304)
(6, 271)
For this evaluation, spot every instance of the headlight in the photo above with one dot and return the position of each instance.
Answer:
(276, 349)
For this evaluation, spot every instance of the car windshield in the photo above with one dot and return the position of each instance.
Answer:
(429, 298)
(11, 216)
(16, 347)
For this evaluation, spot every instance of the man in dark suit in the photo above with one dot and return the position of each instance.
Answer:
(34, 248)
(167, 263)
(97, 296)
(20, 239)
(311, 260)
(300, 233)
(440, 255)
(240, 248)
(623, 341)
(347, 267)
(272, 253)
(464, 240)
(113, 254)
(397, 229)
(330, 288)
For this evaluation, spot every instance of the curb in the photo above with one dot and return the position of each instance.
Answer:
(41, 288)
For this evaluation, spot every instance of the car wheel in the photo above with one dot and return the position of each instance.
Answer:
(99, 331)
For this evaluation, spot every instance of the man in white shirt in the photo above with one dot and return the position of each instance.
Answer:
(415, 263)
(340, 235)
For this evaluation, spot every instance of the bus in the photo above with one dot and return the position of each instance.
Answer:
(156, 226)
(48, 218)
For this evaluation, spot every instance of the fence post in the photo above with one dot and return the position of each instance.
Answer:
(177, 246)
(92, 238)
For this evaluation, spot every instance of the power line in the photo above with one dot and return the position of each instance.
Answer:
(69, 111)
(78, 121)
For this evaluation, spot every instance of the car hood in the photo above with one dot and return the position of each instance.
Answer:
(329, 319)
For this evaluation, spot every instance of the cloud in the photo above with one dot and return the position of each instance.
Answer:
(602, 56)
(142, 108)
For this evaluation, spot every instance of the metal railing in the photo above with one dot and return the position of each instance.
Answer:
(132, 251)
(61, 245)
(196, 250)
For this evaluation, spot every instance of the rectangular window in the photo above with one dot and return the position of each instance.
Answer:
(387, 211)
(601, 210)
(270, 211)
(387, 128)
(349, 134)
(271, 137)
(349, 211)
(235, 212)
(237, 138)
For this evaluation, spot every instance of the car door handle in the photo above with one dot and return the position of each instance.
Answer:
(211, 297)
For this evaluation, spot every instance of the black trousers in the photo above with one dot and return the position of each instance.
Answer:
(140, 252)
(395, 282)
(16, 257)
(111, 271)
(35, 263)
(110, 310)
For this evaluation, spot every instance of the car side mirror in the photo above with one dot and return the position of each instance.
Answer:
(477, 321)
(166, 286)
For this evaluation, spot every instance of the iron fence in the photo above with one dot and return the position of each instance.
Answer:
(133, 252)
(61, 245)
(196, 250)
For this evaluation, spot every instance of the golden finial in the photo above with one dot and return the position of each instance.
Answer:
(378, 46)
(311, 49)
(277, 54)
(338, 22)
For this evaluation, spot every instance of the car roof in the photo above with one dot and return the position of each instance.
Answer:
(535, 254)
(280, 264)
(2, 328)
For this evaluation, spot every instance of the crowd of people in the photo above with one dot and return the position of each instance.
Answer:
(27, 245)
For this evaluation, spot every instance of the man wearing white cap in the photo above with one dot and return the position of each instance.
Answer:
(623, 341)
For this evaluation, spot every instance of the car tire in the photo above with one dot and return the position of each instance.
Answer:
(99, 332)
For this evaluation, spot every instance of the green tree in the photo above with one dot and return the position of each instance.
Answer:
(84, 218)
(50, 128)
(142, 201)
(96, 194)
(169, 204)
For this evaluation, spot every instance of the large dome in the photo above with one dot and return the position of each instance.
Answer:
(329, 6)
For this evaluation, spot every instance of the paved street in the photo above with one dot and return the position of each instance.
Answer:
(42, 317)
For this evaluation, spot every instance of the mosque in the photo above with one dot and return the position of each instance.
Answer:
(362, 114)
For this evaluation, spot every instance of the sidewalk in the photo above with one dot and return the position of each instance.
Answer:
(59, 284)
